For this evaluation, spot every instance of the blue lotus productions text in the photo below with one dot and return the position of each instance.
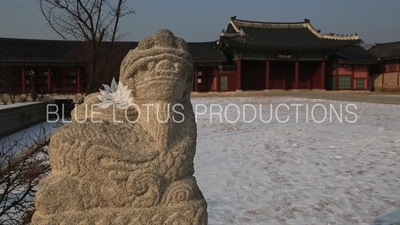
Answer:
(281, 113)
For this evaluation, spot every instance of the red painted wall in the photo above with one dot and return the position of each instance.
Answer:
(391, 67)
(60, 81)
(288, 72)
(206, 78)
(304, 75)
(308, 75)
(232, 80)
(253, 75)
(360, 71)
(279, 70)
(316, 82)
(214, 80)
(344, 70)
(41, 80)
(18, 77)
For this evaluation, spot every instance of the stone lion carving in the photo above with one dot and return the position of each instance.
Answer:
(121, 172)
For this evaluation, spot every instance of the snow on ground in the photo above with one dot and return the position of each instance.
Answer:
(304, 171)
(298, 172)
(25, 138)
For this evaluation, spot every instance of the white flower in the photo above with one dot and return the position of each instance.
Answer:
(117, 94)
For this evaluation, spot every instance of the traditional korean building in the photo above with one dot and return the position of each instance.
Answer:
(207, 66)
(44, 65)
(349, 69)
(51, 66)
(386, 74)
(249, 55)
(292, 56)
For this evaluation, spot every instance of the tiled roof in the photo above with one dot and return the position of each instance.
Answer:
(54, 51)
(355, 54)
(390, 50)
(25, 50)
(283, 36)
(206, 52)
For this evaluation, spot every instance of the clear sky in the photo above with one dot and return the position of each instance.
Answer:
(201, 20)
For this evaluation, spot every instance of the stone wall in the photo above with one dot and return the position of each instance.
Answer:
(386, 81)
(18, 116)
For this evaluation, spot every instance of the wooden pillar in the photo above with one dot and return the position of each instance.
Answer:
(218, 80)
(196, 70)
(78, 79)
(23, 74)
(398, 75)
(239, 75)
(296, 75)
(49, 78)
(36, 77)
(284, 76)
(352, 78)
(337, 78)
(267, 74)
(323, 75)
(57, 70)
(309, 75)
(368, 79)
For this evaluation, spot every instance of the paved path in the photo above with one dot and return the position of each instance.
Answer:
(352, 96)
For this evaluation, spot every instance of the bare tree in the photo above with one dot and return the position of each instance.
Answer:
(23, 162)
(95, 22)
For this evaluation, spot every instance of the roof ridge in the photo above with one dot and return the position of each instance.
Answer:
(387, 43)
(250, 21)
(363, 49)
(236, 23)
(201, 42)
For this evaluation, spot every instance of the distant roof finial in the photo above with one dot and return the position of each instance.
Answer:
(233, 17)
(319, 31)
(306, 20)
(356, 34)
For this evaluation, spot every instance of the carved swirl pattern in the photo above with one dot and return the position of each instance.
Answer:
(181, 191)
(146, 187)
